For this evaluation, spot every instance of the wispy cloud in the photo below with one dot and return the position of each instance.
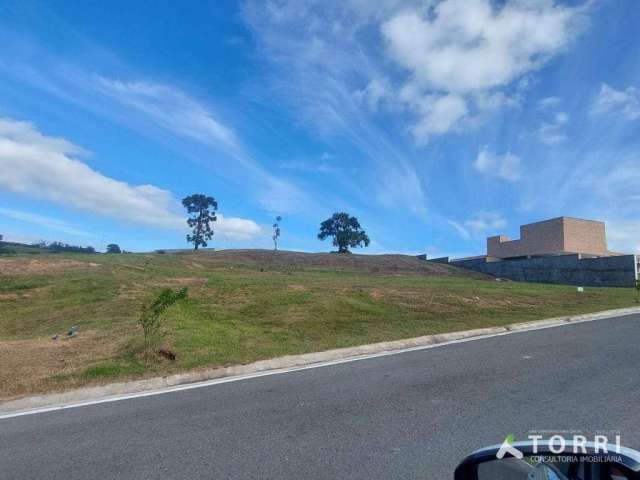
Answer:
(482, 223)
(46, 221)
(163, 111)
(602, 186)
(171, 109)
(176, 112)
(625, 103)
(549, 102)
(616, 185)
(552, 133)
(320, 164)
(506, 166)
(333, 84)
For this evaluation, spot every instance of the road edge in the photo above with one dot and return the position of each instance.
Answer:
(188, 380)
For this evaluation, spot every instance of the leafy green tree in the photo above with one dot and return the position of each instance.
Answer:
(113, 248)
(276, 232)
(345, 230)
(65, 247)
(201, 209)
(150, 317)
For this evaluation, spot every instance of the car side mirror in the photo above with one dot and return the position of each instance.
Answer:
(541, 461)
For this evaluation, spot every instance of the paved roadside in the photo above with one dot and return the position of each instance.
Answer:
(412, 415)
(207, 377)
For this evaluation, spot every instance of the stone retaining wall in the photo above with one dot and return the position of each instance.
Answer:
(615, 271)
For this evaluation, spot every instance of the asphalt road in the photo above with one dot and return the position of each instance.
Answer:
(412, 415)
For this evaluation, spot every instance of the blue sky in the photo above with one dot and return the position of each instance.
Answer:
(436, 123)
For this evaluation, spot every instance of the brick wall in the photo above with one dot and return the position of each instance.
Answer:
(556, 236)
(584, 236)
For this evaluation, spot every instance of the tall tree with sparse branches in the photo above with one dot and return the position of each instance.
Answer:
(345, 230)
(276, 232)
(201, 209)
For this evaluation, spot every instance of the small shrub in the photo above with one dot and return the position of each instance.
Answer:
(150, 317)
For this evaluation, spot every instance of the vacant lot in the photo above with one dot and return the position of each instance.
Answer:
(243, 306)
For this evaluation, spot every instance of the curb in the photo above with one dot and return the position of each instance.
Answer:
(182, 381)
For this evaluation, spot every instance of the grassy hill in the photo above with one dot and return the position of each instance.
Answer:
(243, 305)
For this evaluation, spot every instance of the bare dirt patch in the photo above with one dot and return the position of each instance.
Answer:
(292, 261)
(10, 296)
(35, 266)
(29, 366)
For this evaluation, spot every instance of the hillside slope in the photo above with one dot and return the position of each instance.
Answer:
(286, 260)
(242, 306)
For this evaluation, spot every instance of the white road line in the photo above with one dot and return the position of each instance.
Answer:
(207, 383)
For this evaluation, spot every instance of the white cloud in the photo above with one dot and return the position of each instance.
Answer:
(619, 102)
(375, 93)
(461, 47)
(38, 166)
(507, 166)
(551, 133)
(549, 102)
(234, 228)
(438, 114)
(171, 109)
(46, 221)
(482, 223)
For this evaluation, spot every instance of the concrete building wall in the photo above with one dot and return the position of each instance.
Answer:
(616, 271)
(556, 236)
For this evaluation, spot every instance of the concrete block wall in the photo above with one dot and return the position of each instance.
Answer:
(618, 271)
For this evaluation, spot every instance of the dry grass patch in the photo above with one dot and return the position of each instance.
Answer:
(32, 365)
(25, 266)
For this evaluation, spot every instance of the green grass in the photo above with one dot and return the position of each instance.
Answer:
(112, 368)
(236, 313)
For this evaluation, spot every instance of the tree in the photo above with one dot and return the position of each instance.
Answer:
(65, 247)
(345, 230)
(202, 212)
(150, 317)
(113, 248)
(276, 232)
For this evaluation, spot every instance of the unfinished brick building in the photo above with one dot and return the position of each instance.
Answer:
(557, 236)
(561, 250)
